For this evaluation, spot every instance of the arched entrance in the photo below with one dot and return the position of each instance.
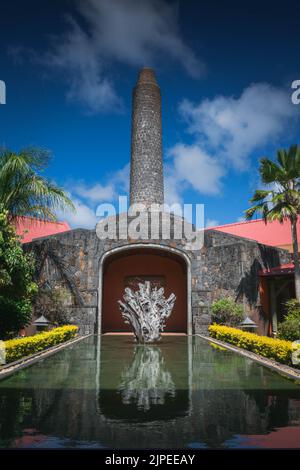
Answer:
(126, 266)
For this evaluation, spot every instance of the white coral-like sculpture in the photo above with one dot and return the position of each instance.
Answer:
(146, 310)
(146, 381)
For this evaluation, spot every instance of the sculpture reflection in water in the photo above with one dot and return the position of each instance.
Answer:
(92, 395)
(146, 310)
(146, 381)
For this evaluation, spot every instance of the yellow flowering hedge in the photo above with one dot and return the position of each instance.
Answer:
(277, 349)
(18, 348)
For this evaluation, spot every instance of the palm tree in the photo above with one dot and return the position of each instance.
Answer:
(24, 191)
(282, 201)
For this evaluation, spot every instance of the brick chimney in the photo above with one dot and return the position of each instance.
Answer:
(146, 172)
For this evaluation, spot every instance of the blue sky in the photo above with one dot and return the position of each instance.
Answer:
(225, 70)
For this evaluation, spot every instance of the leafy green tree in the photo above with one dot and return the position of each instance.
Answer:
(24, 191)
(227, 312)
(16, 281)
(282, 200)
(289, 329)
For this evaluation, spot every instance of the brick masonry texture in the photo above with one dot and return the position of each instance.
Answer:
(146, 175)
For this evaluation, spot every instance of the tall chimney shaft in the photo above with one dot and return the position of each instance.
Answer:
(146, 171)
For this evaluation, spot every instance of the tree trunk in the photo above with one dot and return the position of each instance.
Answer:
(296, 258)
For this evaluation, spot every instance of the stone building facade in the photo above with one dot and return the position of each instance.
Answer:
(80, 262)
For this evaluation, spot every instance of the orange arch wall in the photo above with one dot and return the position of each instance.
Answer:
(119, 269)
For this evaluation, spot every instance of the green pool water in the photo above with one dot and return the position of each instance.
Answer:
(107, 392)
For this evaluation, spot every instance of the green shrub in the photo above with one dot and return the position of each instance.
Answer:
(17, 288)
(277, 349)
(227, 312)
(292, 308)
(18, 348)
(289, 329)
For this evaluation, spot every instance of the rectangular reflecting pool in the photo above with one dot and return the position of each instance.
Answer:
(108, 392)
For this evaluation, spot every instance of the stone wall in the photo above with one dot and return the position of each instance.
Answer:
(231, 267)
(225, 265)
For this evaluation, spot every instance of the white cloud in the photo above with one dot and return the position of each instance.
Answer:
(171, 188)
(232, 128)
(93, 193)
(76, 57)
(120, 180)
(226, 131)
(188, 167)
(83, 217)
(211, 223)
(134, 32)
(129, 32)
(193, 165)
(87, 197)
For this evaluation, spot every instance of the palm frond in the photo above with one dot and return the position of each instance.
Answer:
(260, 209)
(283, 201)
(260, 195)
(23, 191)
(270, 172)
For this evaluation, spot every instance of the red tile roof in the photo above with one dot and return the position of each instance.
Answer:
(282, 269)
(272, 233)
(30, 228)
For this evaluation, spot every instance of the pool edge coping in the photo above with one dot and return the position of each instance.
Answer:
(13, 367)
(282, 369)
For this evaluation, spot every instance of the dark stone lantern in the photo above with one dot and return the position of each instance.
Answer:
(41, 323)
(248, 324)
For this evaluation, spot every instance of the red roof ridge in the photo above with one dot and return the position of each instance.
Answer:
(30, 228)
(242, 222)
(43, 221)
(287, 268)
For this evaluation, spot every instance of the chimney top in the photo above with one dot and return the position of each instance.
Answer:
(147, 75)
